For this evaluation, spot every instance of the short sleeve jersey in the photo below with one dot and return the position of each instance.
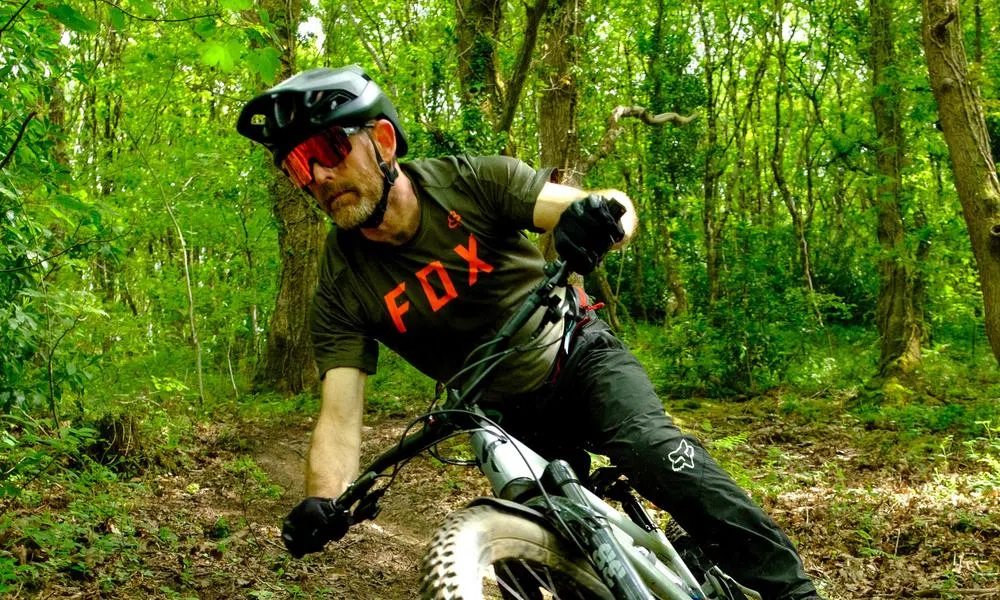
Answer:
(450, 287)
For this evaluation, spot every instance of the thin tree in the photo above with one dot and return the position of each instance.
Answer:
(289, 364)
(899, 325)
(186, 258)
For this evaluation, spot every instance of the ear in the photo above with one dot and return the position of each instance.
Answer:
(385, 136)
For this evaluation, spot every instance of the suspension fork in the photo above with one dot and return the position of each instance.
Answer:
(592, 531)
(514, 470)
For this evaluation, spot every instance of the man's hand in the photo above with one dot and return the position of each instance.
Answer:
(313, 523)
(586, 231)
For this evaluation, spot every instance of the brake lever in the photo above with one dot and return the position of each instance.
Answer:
(358, 489)
(369, 507)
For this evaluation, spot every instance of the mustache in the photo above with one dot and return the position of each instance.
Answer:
(327, 192)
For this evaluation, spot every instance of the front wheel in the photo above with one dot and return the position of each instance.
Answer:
(481, 553)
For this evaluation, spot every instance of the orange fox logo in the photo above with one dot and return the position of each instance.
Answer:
(436, 269)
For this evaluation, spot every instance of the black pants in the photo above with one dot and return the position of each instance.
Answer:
(602, 400)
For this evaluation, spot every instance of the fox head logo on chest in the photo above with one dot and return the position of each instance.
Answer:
(436, 269)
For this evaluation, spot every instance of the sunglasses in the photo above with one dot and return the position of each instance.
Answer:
(328, 148)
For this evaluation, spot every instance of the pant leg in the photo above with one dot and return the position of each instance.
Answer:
(605, 401)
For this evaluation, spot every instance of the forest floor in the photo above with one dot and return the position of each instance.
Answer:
(870, 519)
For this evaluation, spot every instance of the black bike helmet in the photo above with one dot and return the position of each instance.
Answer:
(311, 101)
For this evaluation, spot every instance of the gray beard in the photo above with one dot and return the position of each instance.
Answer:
(350, 217)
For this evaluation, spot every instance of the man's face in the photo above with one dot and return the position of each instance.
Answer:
(349, 192)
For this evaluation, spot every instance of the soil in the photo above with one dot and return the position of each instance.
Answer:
(865, 528)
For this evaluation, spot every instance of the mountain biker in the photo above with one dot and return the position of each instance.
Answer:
(428, 257)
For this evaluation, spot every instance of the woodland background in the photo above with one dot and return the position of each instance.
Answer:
(819, 247)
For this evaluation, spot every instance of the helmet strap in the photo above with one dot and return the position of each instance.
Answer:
(389, 176)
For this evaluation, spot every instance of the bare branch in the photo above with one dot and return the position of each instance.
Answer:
(13, 17)
(615, 128)
(20, 134)
(152, 20)
(513, 95)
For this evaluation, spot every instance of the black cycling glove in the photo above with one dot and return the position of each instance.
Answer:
(313, 523)
(586, 231)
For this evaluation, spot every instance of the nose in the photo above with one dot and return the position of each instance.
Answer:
(322, 174)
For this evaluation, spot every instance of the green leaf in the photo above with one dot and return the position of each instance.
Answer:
(144, 8)
(9, 193)
(266, 62)
(70, 202)
(206, 27)
(117, 18)
(254, 37)
(215, 54)
(236, 5)
(72, 19)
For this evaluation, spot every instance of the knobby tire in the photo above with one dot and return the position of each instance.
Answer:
(482, 553)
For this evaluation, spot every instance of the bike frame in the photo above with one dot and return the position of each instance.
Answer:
(506, 462)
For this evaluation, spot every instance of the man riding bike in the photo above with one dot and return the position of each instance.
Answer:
(428, 257)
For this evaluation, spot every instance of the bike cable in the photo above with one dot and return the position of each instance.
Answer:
(498, 357)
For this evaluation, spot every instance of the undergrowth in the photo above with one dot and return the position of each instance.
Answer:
(66, 493)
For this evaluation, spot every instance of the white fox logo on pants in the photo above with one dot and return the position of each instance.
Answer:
(683, 457)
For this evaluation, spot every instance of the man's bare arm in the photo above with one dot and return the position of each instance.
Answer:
(335, 449)
(555, 198)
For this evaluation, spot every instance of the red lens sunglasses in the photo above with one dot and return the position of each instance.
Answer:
(328, 148)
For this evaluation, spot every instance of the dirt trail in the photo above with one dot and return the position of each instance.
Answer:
(378, 559)
(866, 528)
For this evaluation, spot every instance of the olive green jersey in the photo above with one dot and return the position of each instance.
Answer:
(450, 287)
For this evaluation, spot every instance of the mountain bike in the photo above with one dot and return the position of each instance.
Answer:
(545, 533)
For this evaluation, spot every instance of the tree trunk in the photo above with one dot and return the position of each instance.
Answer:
(560, 144)
(782, 132)
(289, 363)
(961, 113)
(664, 192)
(560, 147)
(710, 171)
(478, 25)
(557, 133)
(899, 327)
(515, 86)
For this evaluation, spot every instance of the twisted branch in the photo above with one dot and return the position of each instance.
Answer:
(615, 128)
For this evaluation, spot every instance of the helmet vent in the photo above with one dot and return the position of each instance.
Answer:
(338, 98)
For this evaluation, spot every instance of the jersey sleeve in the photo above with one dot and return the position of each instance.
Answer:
(340, 337)
(511, 188)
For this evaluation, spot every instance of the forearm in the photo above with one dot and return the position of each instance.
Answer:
(333, 460)
(335, 448)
